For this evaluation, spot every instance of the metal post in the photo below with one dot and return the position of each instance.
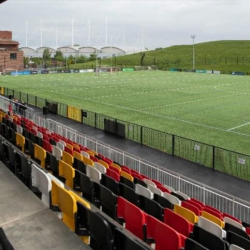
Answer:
(193, 37)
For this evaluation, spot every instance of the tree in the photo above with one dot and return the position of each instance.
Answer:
(92, 57)
(59, 56)
(25, 61)
(81, 59)
(46, 56)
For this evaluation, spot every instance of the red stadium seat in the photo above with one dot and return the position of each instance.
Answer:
(191, 207)
(195, 204)
(115, 170)
(68, 150)
(134, 218)
(113, 174)
(163, 189)
(198, 202)
(47, 146)
(213, 212)
(164, 236)
(231, 217)
(177, 222)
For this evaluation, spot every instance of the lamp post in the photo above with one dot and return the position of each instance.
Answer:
(193, 37)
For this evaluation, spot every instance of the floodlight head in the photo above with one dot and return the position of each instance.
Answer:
(193, 36)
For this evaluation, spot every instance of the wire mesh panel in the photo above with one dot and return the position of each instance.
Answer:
(89, 119)
(62, 109)
(194, 151)
(17, 94)
(232, 163)
(100, 121)
(40, 102)
(32, 100)
(24, 97)
(132, 131)
(157, 139)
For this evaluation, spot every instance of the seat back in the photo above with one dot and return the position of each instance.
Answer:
(108, 202)
(93, 174)
(163, 201)
(113, 174)
(237, 240)
(76, 155)
(193, 245)
(124, 242)
(66, 202)
(100, 167)
(151, 207)
(184, 196)
(100, 232)
(191, 207)
(68, 158)
(208, 239)
(79, 165)
(233, 222)
(149, 182)
(187, 214)
(20, 141)
(85, 154)
(234, 247)
(42, 182)
(177, 222)
(4, 242)
(211, 227)
(143, 191)
(26, 170)
(60, 145)
(88, 161)
(173, 199)
(213, 218)
(57, 152)
(135, 219)
(110, 183)
(19, 129)
(129, 194)
(67, 172)
(155, 190)
(240, 232)
(213, 212)
(164, 236)
(40, 154)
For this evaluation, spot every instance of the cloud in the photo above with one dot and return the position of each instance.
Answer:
(158, 23)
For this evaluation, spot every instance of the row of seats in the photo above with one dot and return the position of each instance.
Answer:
(151, 187)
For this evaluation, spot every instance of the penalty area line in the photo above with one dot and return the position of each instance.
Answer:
(242, 125)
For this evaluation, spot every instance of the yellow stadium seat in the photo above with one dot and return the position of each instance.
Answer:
(90, 152)
(20, 141)
(186, 213)
(40, 154)
(77, 155)
(213, 218)
(66, 201)
(105, 164)
(88, 161)
(76, 146)
(116, 166)
(127, 176)
(66, 171)
(68, 158)
(69, 146)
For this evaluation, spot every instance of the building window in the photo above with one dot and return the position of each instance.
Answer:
(12, 56)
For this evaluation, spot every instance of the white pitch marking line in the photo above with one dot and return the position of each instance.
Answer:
(239, 126)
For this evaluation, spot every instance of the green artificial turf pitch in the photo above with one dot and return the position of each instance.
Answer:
(214, 109)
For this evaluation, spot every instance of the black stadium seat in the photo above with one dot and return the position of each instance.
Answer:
(235, 239)
(129, 194)
(163, 202)
(123, 242)
(193, 245)
(4, 242)
(110, 183)
(233, 229)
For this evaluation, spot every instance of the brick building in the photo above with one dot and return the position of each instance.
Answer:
(10, 57)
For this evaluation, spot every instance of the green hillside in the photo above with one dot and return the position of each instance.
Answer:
(226, 56)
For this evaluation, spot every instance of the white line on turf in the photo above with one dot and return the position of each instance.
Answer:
(242, 125)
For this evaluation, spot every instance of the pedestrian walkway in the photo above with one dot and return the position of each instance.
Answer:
(215, 179)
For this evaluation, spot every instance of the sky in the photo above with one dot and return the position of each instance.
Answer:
(130, 24)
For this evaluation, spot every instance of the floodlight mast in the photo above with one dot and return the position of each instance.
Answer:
(193, 37)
